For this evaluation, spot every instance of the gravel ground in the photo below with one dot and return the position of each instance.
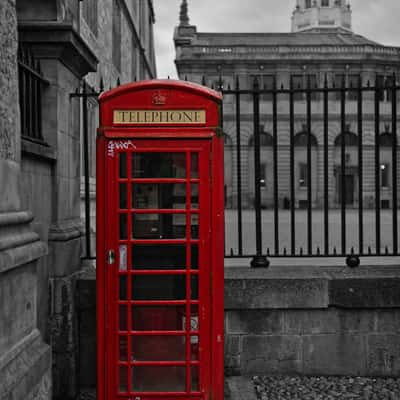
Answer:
(326, 388)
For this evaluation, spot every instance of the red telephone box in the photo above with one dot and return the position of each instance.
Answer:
(160, 242)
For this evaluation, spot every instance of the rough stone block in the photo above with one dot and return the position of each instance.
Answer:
(388, 321)
(248, 293)
(366, 292)
(384, 355)
(17, 305)
(253, 321)
(271, 354)
(64, 256)
(331, 320)
(334, 354)
(24, 368)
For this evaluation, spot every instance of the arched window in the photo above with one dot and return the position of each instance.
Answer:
(350, 139)
(301, 139)
(301, 162)
(265, 139)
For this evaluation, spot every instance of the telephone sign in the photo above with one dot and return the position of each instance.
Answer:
(160, 242)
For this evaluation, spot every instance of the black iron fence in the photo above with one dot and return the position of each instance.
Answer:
(31, 84)
(323, 203)
(295, 192)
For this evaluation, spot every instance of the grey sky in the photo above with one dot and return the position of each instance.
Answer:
(376, 19)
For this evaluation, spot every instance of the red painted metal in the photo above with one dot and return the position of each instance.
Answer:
(190, 364)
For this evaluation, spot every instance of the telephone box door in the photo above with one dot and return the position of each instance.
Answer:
(158, 269)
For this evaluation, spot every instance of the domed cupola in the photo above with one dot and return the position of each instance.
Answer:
(321, 14)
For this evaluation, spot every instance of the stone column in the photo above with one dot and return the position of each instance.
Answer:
(25, 361)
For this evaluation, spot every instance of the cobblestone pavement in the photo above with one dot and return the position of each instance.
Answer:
(326, 388)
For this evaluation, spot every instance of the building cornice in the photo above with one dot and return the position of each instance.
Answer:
(247, 53)
(60, 41)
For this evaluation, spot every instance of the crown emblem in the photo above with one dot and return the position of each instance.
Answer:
(159, 99)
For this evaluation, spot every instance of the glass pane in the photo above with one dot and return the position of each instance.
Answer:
(163, 256)
(194, 262)
(194, 348)
(194, 287)
(194, 226)
(194, 324)
(158, 226)
(122, 288)
(123, 199)
(123, 379)
(158, 379)
(122, 165)
(159, 287)
(159, 195)
(159, 165)
(195, 379)
(194, 318)
(123, 348)
(157, 318)
(123, 326)
(158, 348)
(194, 165)
(194, 190)
(123, 226)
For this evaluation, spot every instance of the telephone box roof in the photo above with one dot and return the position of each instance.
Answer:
(162, 84)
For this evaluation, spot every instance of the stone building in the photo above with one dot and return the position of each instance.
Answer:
(47, 48)
(321, 45)
(121, 35)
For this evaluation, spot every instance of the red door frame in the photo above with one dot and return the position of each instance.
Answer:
(105, 284)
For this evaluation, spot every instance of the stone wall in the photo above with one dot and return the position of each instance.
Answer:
(313, 321)
(25, 361)
(292, 320)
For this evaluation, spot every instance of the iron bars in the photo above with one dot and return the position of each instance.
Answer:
(312, 175)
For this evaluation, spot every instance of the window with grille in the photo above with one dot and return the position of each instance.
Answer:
(31, 84)
(325, 3)
(385, 175)
(304, 82)
(354, 81)
(302, 175)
